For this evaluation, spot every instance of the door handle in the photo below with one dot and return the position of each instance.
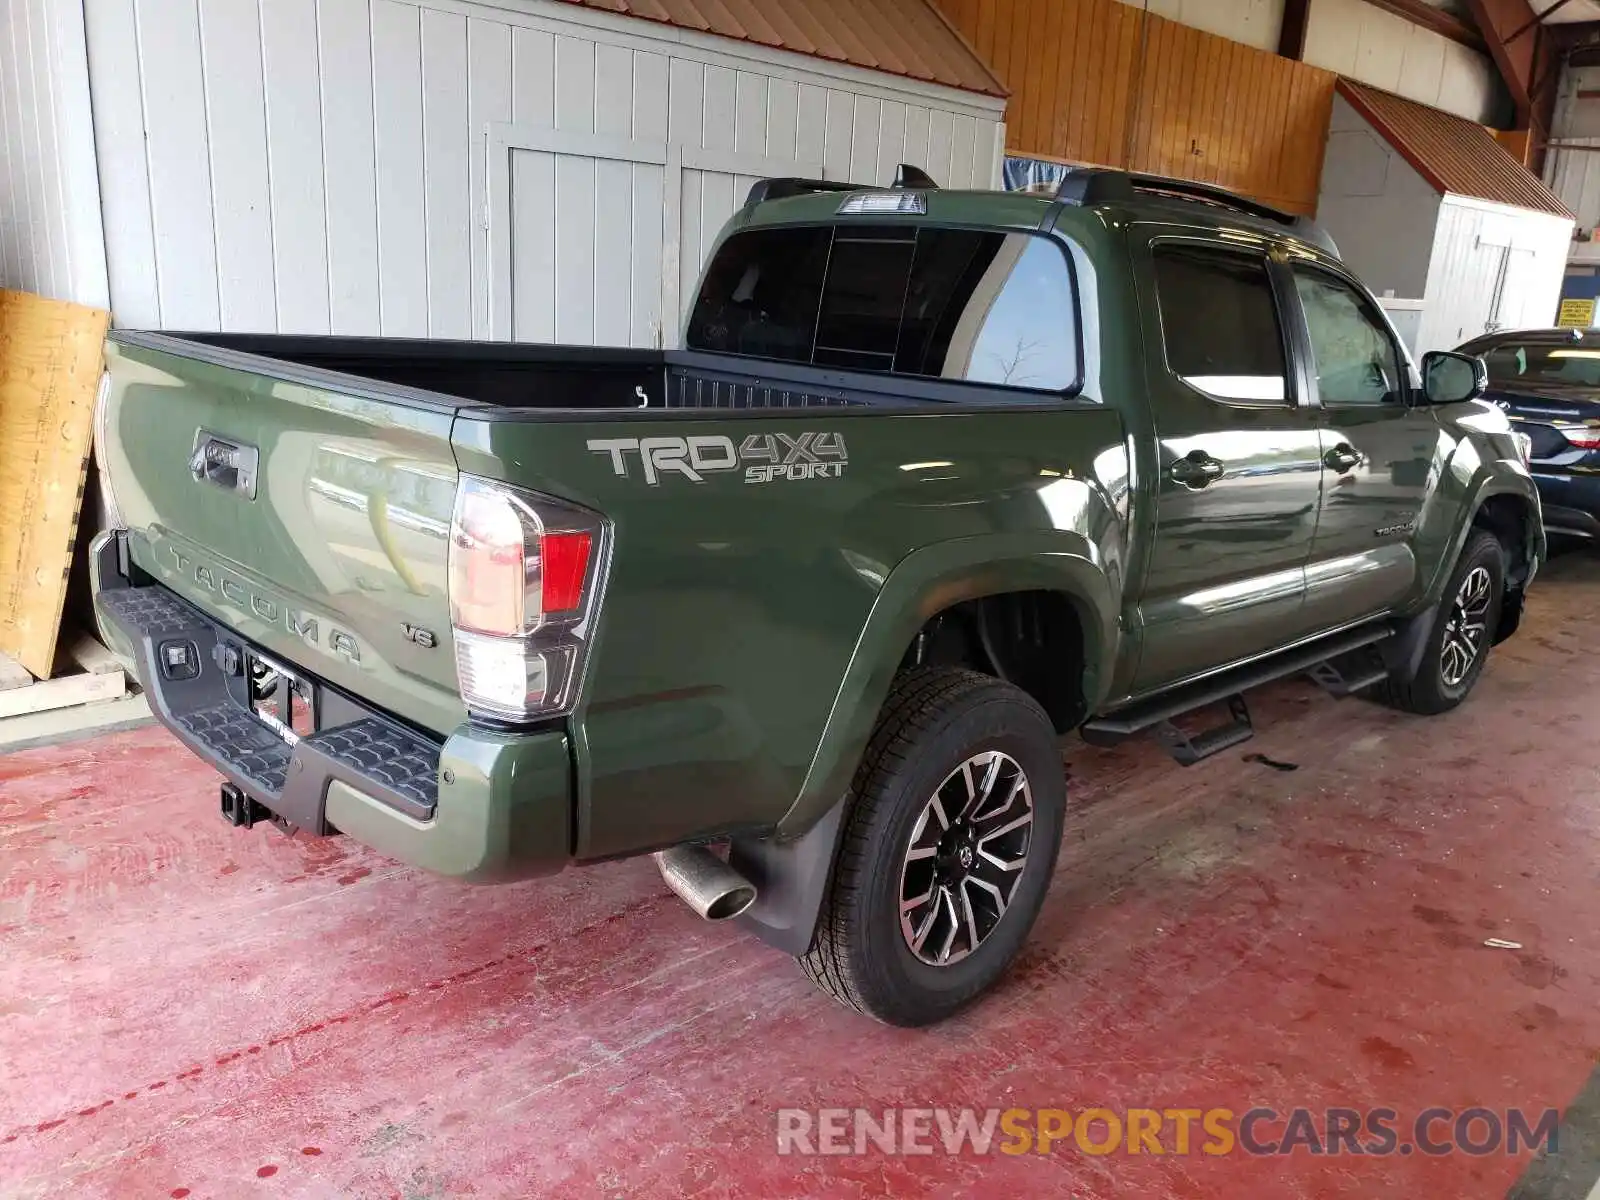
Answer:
(1343, 457)
(1196, 469)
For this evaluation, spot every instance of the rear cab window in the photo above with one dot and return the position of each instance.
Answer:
(961, 305)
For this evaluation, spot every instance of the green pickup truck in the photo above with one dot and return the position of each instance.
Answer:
(804, 607)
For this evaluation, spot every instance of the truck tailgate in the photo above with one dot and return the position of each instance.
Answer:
(312, 521)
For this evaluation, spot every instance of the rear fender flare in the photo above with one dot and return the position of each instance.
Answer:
(792, 869)
(925, 583)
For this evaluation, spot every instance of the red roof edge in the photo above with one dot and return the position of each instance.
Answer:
(1361, 96)
(1355, 95)
(999, 87)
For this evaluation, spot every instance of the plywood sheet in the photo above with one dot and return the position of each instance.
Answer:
(50, 366)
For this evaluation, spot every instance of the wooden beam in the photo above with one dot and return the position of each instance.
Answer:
(1292, 36)
(1536, 20)
(63, 693)
(1444, 23)
(91, 655)
(1516, 60)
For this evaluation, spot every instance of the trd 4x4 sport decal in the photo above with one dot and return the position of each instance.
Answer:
(765, 457)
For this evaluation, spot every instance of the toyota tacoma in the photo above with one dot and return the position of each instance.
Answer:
(803, 607)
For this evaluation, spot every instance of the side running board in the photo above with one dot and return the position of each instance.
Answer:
(1350, 673)
(1188, 749)
(1159, 712)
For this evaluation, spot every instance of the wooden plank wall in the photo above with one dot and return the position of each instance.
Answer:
(317, 166)
(1081, 72)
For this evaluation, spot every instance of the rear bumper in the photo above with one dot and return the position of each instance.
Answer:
(480, 805)
(1571, 503)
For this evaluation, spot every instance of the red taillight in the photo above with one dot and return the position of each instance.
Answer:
(1584, 437)
(524, 581)
(564, 561)
(489, 537)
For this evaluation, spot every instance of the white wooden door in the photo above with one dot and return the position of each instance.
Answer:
(582, 232)
(1517, 305)
(599, 240)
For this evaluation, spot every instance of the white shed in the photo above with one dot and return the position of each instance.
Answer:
(546, 170)
(1453, 234)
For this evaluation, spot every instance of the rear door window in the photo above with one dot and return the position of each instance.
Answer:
(978, 306)
(1219, 323)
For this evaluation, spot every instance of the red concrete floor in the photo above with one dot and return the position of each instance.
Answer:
(190, 1010)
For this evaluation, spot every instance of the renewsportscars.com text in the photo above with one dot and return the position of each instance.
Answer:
(1176, 1131)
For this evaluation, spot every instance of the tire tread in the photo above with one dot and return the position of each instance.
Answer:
(1417, 693)
(917, 702)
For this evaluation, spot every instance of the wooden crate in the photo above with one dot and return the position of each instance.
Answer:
(50, 368)
(87, 673)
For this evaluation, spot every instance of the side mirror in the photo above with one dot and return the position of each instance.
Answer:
(1450, 378)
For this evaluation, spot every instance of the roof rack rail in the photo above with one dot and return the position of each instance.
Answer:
(905, 176)
(1097, 185)
(783, 188)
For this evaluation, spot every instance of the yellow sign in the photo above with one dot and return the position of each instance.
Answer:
(1576, 314)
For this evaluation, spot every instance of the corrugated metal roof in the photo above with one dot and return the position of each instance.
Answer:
(903, 37)
(1453, 154)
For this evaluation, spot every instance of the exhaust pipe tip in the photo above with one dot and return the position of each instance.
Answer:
(730, 903)
(705, 882)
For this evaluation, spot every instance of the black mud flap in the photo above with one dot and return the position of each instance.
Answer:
(791, 879)
(1510, 615)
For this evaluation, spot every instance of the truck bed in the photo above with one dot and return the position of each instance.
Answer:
(575, 379)
(503, 374)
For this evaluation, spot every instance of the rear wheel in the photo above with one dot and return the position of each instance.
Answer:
(955, 821)
(1458, 646)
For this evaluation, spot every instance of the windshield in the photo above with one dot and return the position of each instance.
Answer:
(1512, 363)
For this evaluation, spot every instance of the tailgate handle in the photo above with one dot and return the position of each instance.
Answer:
(228, 465)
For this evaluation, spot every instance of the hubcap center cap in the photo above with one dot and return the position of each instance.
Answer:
(964, 856)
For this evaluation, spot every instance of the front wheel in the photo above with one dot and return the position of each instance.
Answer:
(1458, 646)
(954, 824)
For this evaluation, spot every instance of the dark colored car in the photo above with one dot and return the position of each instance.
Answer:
(1547, 381)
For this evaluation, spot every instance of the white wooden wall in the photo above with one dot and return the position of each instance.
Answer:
(1468, 250)
(1375, 46)
(1360, 40)
(1441, 256)
(322, 166)
(50, 240)
(1380, 212)
(1253, 22)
